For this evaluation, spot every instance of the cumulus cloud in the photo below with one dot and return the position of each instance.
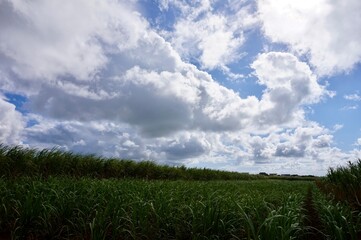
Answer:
(142, 80)
(101, 80)
(11, 123)
(105, 138)
(208, 38)
(324, 30)
(69, 41)
(289, 83)
(308, 149)
(287, 150)
(155, 103)
(139, 80)
(260, 150)
(303, 141)
(186, 146)
(111, 139)
(212, 39)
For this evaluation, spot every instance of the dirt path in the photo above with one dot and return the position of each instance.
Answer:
(313, 221)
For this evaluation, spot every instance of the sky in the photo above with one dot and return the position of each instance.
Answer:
(249, 86)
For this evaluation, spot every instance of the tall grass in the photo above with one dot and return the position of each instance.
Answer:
(18, 161)
(87, 208)
(344, 183)
(52, 194)
(339, 220)
(340, 207)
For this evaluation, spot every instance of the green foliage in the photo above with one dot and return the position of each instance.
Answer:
(52, 194)
(17, 161)
(345, 184)
(339, 220)
(339, 207)
(270, 221)
(88, 208)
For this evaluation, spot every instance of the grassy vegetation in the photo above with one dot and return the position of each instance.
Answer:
(52, 194)
(344, 183)
(339, 205)
(339, 220)
(17, 161)
(61, 208)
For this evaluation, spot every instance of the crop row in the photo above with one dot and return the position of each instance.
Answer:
(339, 220)
(63, 208)
(339, 204)
(344, 184)
(17, 161)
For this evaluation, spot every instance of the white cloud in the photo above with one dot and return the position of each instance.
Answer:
(235, 77)
(116, 140)
(139, 100)
(304, 150)
(353, 97)
(327, 31)
(142, 81)
(289, 84)
(213, 39)
(350, 107)
(337, 127)
(308, 149)
(358, 142)
(155, 103)
(186, 146)
(11, 123)
(175, 96)
(47, 39)
(163, 5)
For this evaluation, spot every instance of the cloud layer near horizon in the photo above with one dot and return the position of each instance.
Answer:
(102, 80)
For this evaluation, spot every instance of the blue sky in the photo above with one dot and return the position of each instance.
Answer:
(249, 86)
